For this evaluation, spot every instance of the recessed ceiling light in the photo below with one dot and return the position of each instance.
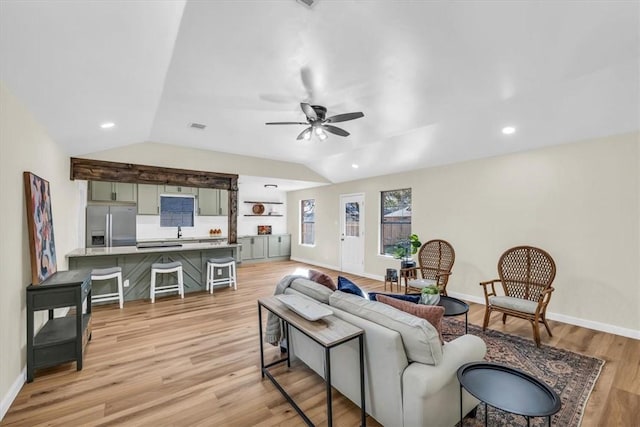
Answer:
(107, 125)
(355, 166)
(508, 130)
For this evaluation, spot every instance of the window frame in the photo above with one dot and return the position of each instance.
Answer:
(385, 241)
(304, 223)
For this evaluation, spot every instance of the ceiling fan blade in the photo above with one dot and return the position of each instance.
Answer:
(344, 117)
(286, 123)
(335, 130)
(308, 111)
(305, 134)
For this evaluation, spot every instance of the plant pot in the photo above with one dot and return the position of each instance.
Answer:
(407, 264)
(429, 299)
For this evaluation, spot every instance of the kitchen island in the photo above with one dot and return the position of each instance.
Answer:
(136, 263)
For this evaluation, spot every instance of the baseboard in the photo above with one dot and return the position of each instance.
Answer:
(584, 323)
(13, 391)
(576, 321)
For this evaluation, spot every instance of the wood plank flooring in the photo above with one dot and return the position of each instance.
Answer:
(195, 362)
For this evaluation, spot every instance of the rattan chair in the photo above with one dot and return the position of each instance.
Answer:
(526, 274)
(435, 260)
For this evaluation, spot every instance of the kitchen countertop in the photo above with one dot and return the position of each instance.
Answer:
(187, 245)
(182, 239)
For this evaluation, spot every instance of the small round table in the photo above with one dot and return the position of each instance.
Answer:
(508, 389)
(455, 307)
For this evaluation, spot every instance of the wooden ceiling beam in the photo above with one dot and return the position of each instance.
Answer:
(98, 170)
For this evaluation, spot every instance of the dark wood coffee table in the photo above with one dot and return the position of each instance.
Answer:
(508, 389)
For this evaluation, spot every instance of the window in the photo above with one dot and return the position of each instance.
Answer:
(308, 222)
(176, 211)
(395, 218)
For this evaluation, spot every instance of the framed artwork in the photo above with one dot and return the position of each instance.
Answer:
(264, 229)
(40, 225)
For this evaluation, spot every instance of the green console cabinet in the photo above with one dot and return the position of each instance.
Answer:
(61, 339)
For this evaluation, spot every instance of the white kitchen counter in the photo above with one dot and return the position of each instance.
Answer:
(127, 250)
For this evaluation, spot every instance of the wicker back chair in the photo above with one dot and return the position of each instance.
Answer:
(526, 274)
(435, 261)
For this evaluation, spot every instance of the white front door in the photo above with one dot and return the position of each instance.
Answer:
(352, 233)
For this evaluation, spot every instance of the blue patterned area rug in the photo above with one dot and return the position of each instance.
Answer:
(571, 375)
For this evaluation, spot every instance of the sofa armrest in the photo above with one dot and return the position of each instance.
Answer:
(431, 394)
(425, 380)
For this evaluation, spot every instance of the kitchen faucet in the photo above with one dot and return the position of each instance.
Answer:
(179, 232)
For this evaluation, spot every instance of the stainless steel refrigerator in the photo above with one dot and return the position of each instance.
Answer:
(111, 225)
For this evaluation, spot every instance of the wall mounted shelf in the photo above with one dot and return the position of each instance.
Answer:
(262, 215)
(265, 203)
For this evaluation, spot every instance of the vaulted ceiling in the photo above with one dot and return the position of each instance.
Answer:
(436, 80)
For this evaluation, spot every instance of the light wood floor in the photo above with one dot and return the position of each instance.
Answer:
(196, 362)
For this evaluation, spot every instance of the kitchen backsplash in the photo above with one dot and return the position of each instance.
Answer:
(148, 227)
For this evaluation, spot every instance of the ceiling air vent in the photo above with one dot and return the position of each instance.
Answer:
(197, 126)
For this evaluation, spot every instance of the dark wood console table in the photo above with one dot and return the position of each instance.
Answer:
(61, 339)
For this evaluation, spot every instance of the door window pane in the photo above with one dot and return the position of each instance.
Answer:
(352, 219)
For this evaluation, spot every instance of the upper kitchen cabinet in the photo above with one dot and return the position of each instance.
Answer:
(148, 199)
(102, 191)
(176, 189)
(212, 202)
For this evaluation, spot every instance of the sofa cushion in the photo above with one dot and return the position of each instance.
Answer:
(346, 285)
(419, 337)
(512, 303)
(312, 289)
(373, 296)
(322, 278)
(431, 313)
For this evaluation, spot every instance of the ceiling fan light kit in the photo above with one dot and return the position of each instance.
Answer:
(319, 123)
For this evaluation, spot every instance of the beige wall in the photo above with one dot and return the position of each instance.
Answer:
(579, 201)
(24, 146)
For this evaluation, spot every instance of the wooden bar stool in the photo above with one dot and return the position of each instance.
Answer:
(219, 263)
(165, 268)
(106, 274)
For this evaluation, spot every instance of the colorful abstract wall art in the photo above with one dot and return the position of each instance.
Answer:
(40, 225)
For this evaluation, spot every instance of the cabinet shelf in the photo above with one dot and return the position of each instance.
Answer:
(262, 215)
(265, 203)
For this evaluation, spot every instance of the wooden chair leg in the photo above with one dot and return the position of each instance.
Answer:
(536, 332)
(546, 325)
(487, 313)
(504, 318)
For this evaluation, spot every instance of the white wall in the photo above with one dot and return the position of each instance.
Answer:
(248, 225)
(578, 201)
(25, 146)
(148, 227)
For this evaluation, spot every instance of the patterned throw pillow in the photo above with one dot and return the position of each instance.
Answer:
(346, 285)
(322, 278)
(431, 313)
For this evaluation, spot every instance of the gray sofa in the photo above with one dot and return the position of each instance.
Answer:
(400, 390)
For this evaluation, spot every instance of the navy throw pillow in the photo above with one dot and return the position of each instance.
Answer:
(346, 285)
(411, 298)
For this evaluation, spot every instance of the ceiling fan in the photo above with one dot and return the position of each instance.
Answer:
(318, 123)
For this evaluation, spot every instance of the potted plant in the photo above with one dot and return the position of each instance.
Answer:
(405, 248)
(430, 295)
